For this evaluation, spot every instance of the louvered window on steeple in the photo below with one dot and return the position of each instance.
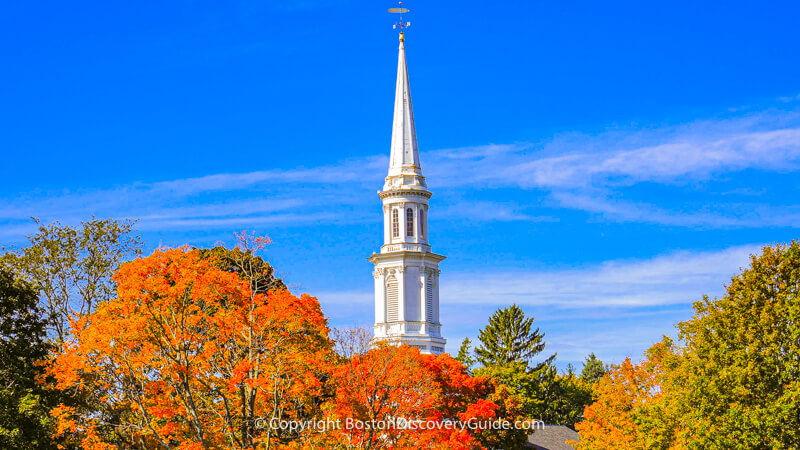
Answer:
(422, 224)
(429, 298)
(395, 223)
(410, 222)
(392, 299)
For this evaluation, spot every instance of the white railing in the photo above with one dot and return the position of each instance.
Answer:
(405, 247)
(403, 328)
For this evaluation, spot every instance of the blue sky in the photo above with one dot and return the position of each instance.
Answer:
(601, 164)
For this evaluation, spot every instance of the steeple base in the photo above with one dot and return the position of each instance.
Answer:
(407, 299)
(391, 334)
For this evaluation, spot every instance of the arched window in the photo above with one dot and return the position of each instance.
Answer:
(395, 223)
(410, 222)
(422, 223)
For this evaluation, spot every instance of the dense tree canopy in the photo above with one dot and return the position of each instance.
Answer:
(634, 408)
(201, 348)
(24, 423)
(244, 261)
(733, 383)
(384, 384)
(188, 356)
(741, 366)
(206, 349)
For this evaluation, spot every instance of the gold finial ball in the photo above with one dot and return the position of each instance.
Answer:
(402, 38)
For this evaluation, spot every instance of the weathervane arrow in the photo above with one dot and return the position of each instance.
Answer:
(402, 25)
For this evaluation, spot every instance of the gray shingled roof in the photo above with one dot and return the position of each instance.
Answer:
(553, 437)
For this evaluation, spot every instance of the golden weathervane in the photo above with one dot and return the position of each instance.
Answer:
(402, 25)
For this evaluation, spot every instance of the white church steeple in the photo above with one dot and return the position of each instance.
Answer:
(406, 271)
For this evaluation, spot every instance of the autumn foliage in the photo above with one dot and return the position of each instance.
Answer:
(732, 380)
(188, 356)
(390, 383)
(635, 406)
(205, 349)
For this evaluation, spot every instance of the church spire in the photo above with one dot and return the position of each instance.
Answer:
(406, 271)
(404, 155)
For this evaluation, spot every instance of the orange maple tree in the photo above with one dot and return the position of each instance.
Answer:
(635, 406)
(191, 356)
(396, 397)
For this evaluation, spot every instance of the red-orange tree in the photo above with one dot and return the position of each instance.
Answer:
(189, 356)
(385, 387)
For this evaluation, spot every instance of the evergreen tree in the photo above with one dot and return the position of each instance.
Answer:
(509, 338)
(593, 369)
(465, 356)
(508, 344)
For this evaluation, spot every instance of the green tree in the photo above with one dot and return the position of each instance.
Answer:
(521, 381)
(556, 399)
(71, 267)
(24, 422)
(733, 382)
(741, 367)
(593, 369)
(562, 397)
(508, 344)
(509, 338)
(465, 354)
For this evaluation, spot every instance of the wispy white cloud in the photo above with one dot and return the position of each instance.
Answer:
(487, 211)
(355, 170)
(789, 99)
(590, 173)
(225, 209)
(238, 222)
(664, 155)
(675, 278)
(722, 215)
(696, 157)
(611, 340)
(616, 308)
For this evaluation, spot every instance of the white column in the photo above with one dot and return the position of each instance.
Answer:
(435, 275)
(380, 295)
(423, 310)
(387, 226)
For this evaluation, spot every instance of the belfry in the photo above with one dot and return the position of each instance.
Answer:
(406, 271)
